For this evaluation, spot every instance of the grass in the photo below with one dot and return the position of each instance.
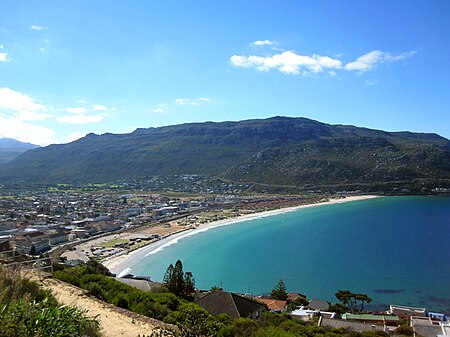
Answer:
(112, 243)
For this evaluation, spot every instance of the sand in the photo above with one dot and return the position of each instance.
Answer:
(114, 322)
(118, 264)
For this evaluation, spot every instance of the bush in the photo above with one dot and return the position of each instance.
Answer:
(405, 330)
(26, 310)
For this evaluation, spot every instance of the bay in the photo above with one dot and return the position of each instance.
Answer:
(395, 249)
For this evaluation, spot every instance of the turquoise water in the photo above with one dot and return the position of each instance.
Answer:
(395, 249)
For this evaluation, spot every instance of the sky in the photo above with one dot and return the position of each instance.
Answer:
(68, 68)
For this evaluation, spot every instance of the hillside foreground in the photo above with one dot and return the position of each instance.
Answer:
(114, 321)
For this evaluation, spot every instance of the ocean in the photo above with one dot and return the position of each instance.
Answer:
(395, 249)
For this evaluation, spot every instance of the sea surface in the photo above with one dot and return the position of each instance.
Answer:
(395, 249)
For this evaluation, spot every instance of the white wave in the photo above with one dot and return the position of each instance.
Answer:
(124, 272)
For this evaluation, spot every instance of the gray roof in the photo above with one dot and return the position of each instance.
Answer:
(427, 331)
(222, 302)
(319, 305)
(354, 326)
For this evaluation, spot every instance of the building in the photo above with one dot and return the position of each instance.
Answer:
(319, 305)
(273, 305)
(353, 326)
(57, 238)
(425, 326)
(372, 319)
(31, 243)
(223, 302)
(406, 311)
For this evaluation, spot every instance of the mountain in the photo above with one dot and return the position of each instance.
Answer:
(290, 152)
(11, 148)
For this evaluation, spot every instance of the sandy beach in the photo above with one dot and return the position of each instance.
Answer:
(119, 264)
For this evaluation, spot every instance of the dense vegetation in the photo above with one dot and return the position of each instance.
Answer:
(28, 311)
(190, 319)
(280, 152)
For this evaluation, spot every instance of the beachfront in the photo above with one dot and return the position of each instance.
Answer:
(171, 235)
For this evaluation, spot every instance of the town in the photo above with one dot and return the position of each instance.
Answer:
(73, 227)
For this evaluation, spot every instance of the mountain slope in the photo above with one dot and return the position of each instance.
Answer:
(278, 150)
(11, 148)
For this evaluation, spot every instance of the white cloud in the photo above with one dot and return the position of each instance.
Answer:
(160, 108)
(75, 136)
(291, 63)
(3, 57)
(82, 101)
(26, 132)
(98, 107)
(190, 101)
(370, 60)
(180, 101)
(37, 27)
(23, 106)
(287, 62)
(80, 119)
(76, 111)
(79, 115)
(263, 43)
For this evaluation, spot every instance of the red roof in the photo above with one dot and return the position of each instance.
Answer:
(275, 305)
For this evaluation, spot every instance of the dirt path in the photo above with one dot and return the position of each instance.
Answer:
(113, 321)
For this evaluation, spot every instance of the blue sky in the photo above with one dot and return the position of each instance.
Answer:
(68, 68)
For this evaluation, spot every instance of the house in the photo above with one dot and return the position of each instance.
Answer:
(223, 302)
(406, 311)
(436, 316)
(57, 238)
(353, 326)
(318, 305)
(291, 297)
(425, 326)
(273, 305)
(308, 314)
(445, 329)
(372, 319)
(33, 243)
(303, 314)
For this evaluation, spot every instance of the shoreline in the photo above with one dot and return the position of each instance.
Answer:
(120, 264)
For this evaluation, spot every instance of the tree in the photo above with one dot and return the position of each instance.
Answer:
(178, 277)
(351, 300)
(189, 284)
(279, 291)
(180, 283)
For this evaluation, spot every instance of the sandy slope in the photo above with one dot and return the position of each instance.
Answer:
(113, 321)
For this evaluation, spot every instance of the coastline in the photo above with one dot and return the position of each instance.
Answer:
(120, 264)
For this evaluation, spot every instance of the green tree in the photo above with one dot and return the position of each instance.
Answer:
(353, 301)
(189, 284)
(168, 279)
(180, 283)
(178, 277)
(279, 291)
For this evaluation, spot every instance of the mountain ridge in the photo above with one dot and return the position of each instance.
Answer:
(11, 148)
(294, 151)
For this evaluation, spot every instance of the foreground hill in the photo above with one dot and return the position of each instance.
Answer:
(281, 151)
(11, 148)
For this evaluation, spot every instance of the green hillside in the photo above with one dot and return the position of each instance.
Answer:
(278, 150)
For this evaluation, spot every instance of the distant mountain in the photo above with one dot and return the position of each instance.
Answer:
(279, 151)
(11, 148)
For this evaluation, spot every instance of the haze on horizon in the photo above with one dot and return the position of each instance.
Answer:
(71, 68)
